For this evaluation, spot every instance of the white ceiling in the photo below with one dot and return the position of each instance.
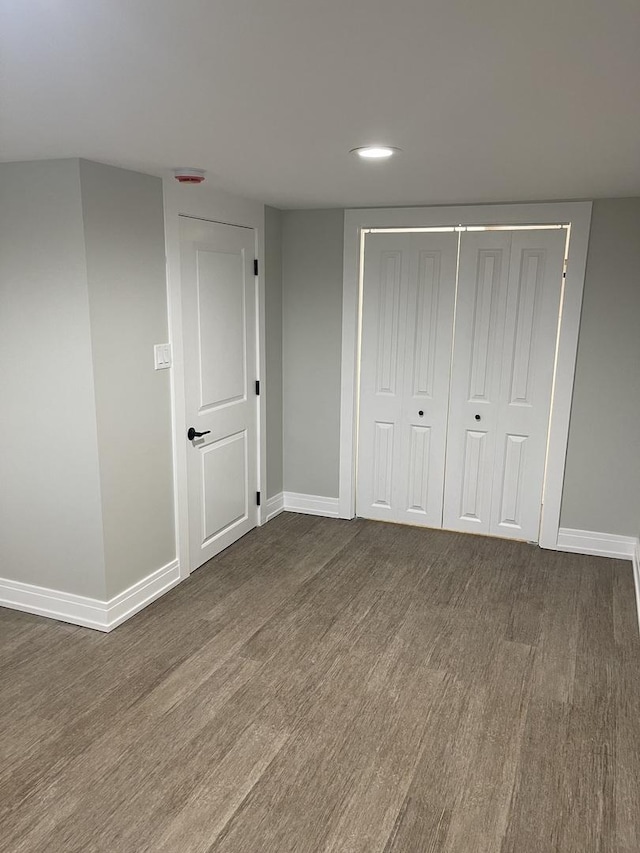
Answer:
(490, 100)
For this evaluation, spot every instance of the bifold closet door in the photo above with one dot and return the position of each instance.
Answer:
(407, 328)
(507, 311)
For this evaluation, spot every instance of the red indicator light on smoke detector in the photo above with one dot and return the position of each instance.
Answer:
(189, 176)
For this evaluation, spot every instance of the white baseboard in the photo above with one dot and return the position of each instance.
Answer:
(604, 545)
(121, 607)
(597, 544)
(311, 504)
(636, 576)
(274, 506)
(64, 606)
(89, 612)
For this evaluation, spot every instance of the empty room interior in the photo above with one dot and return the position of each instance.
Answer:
(319, 426)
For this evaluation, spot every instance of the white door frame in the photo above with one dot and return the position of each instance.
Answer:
(203, 202)
(578, 215)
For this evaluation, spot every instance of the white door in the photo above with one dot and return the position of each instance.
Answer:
(219, 328)
(407, 327)
(507, 310)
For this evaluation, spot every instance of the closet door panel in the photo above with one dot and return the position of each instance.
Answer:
(428, 342)
(528, 358)
(509, 289)
(475, 380)
(407, 326)
(384, 310)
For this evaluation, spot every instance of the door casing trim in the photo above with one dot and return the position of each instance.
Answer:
(578, 215)
(213, 205)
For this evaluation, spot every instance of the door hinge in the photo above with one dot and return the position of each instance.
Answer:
(258, 498)
(255, 267)
(257, 387)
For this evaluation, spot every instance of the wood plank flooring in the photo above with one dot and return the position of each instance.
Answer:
(326, 685)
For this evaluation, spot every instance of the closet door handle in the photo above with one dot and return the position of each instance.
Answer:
(478, 417)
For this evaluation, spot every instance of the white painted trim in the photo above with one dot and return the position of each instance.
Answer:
(604, 545)
(576, 213)
(206, 202)
(54, 604)
(636, 577)
(89, 612)
(596, 544)
(274, 506)
(124, 605)
(311, 504)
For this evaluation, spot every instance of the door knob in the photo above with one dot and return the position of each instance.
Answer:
(421, 413)
(191, 434)
(477, 417)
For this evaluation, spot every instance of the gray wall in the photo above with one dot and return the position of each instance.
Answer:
(273, 324)
(312, 339)
(50, 512)
(602, 482)
(602, 479)
(86, 504)
(124, 241)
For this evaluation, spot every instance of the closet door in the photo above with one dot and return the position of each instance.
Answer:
(509, 288)
(407, 327)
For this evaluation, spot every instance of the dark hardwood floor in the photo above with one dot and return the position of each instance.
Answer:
(327, 685)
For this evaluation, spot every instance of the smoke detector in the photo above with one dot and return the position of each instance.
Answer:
(189, 176)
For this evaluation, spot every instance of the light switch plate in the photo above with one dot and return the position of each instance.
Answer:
(162, 356)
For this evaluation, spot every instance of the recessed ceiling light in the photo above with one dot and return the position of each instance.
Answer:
(374, 152)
